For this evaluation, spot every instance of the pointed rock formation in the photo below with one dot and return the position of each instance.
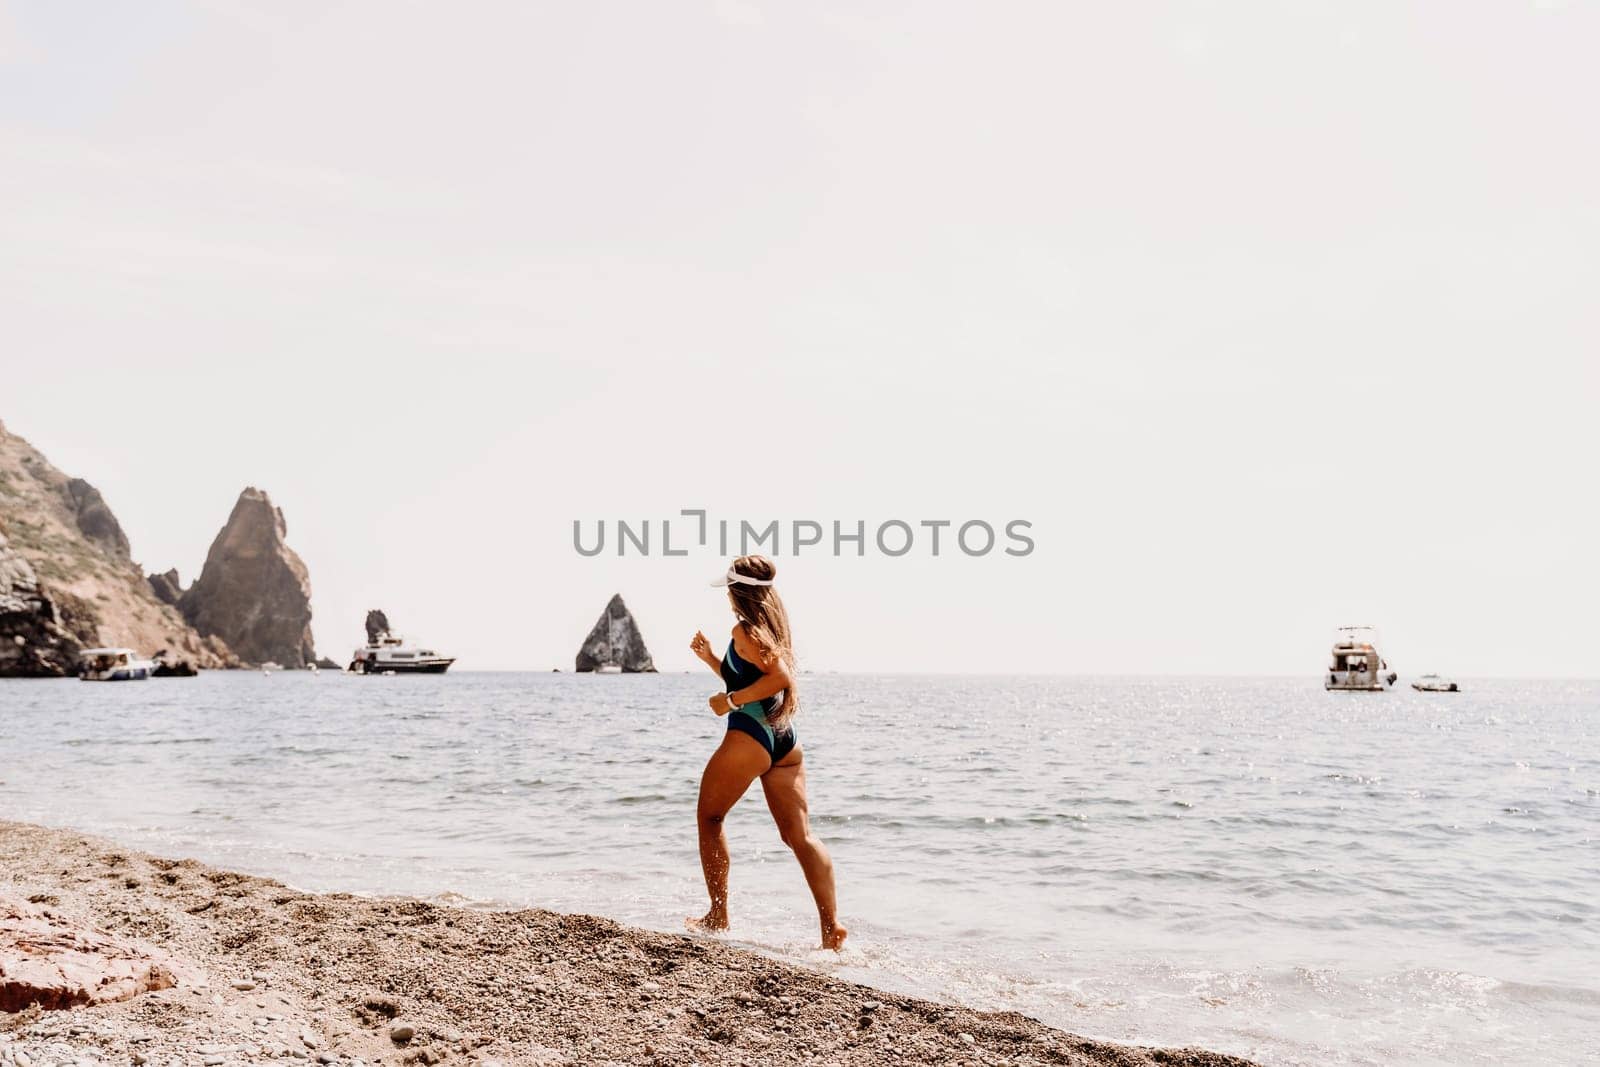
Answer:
(254, 592)
(377, 625)
(615, 642)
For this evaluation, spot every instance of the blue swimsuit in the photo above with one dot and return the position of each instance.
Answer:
(752, 718)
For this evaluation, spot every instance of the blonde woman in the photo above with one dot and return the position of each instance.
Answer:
(760, 703)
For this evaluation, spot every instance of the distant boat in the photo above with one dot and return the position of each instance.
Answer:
(1432, 683)
(1357, 664)
(388, 653)
(607, 668)
(113, 665)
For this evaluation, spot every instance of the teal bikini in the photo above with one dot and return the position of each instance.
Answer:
(751, 718)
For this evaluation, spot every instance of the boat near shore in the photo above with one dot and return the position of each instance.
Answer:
(1357, 664)
(390, 654)
(113, 665)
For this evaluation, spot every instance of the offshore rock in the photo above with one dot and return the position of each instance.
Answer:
(377, 625)
(615, 641)
(254, 592)
(167, 588)
(169, 665)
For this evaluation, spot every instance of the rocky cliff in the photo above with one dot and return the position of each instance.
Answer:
(615, 641)
(66, 577)
(94, 518)
(40, 632)
(254, 592)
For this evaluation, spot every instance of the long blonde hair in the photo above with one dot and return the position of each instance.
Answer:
(761, 610)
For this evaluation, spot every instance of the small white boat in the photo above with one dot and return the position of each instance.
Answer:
(1357, 664)
(607, 668)
(1432, 683)
(389, 654)
(113, 665)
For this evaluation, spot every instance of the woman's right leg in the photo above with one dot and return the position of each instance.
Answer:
(785, 786)
(736, 763)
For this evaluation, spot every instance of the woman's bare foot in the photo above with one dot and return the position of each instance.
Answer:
(833, 937)
(710, 922)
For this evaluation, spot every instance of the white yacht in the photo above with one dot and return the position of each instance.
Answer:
(1357, 663)
(388, 653)
(113, 665)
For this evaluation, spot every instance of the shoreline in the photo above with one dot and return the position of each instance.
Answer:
(266, 972)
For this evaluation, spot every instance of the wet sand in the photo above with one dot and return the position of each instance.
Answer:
(267, 972)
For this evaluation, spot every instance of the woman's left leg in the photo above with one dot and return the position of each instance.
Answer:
(785, 787)
(729, 772)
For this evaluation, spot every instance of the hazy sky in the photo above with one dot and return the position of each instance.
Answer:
(1269, 317)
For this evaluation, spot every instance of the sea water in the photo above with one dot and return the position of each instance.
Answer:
(1251, 865)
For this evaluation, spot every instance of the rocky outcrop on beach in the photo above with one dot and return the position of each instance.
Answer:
(54, 963)
(269, 973)
(254, 592)
(66, 577)
(615, 641)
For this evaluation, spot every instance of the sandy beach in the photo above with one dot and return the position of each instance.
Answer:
(263, 971)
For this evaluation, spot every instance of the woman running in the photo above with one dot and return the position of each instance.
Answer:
(760, 704)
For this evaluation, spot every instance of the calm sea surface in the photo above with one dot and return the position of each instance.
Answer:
(1255, 866)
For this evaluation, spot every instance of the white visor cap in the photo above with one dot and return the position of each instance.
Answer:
(733, 577)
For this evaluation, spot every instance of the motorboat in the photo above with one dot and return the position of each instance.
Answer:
(1357, 663)
(386, 653)
(113, 665)
(1432, 683)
